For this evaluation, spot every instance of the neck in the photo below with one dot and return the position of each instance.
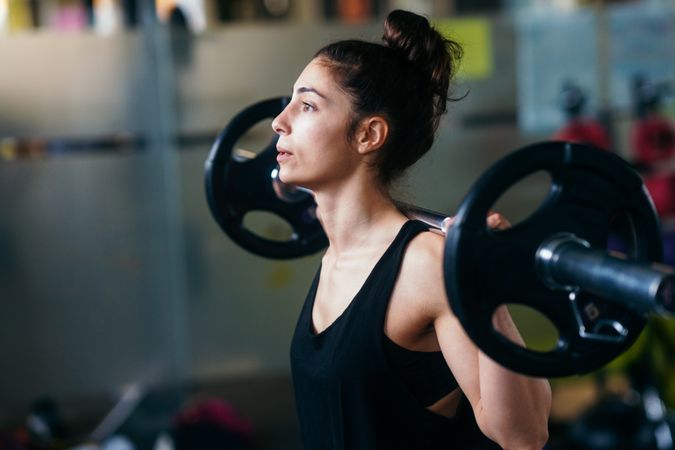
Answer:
(357, 215)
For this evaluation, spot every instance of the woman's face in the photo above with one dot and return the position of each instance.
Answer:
(313, 146)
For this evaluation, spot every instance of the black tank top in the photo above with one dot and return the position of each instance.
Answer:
(426, 374)
(348, 394)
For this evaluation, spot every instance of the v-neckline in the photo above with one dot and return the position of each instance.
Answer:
(311, 328)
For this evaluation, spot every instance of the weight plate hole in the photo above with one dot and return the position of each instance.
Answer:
(524, 198)
(253, 141)
(538, 332)
(268, 226)
(621, 239)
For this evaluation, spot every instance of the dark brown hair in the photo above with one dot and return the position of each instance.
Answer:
(406, 79)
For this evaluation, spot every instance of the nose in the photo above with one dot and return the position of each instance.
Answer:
(279, 124)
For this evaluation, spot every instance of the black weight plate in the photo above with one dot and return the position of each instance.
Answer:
(484, 269)
(235, 188)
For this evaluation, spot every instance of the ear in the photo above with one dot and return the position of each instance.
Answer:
(372, 134)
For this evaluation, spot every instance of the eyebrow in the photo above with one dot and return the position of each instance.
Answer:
(302, 90)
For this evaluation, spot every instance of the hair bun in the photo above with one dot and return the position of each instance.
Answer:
(407, 33)
(433, 56)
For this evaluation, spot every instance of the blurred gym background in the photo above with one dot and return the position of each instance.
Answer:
(129, 320)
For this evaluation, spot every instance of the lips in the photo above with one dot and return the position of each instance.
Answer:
(283, 154)
(284, 151)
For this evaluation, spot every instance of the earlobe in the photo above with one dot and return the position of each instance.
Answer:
(373, 134)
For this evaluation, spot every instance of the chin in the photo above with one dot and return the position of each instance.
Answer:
(284, 176)
(287, 175)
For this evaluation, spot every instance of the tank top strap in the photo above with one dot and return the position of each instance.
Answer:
(383, 278)
(306, 312)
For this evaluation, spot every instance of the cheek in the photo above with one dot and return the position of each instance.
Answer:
(333, 132)
(322, 134)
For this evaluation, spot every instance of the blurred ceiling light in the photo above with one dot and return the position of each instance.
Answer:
(565, 5)
(4, 14)
(107, 16)
(196, 14)
(276, 7)
(194, 11)
(558, 5)
(164, 8)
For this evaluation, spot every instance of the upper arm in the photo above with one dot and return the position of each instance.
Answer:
(509, 408)
(423, 272)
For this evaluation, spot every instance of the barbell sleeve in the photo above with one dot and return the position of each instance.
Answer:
(567, 262)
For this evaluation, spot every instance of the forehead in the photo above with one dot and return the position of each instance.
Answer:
(317, 75)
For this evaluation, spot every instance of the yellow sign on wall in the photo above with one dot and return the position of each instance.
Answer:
(475, 36)
(19, 15)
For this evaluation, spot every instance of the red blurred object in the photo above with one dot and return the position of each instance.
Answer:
(354, 11)
(215, 412)
(585, 131)
(653, 140)
(662, 189)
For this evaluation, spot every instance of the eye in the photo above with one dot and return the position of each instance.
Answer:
(306, 107)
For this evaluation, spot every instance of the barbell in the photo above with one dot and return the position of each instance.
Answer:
(587, 258)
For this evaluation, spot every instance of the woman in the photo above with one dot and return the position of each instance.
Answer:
(379, 360)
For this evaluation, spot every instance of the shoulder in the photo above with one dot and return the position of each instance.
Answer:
(421, 276)
(426, 249)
